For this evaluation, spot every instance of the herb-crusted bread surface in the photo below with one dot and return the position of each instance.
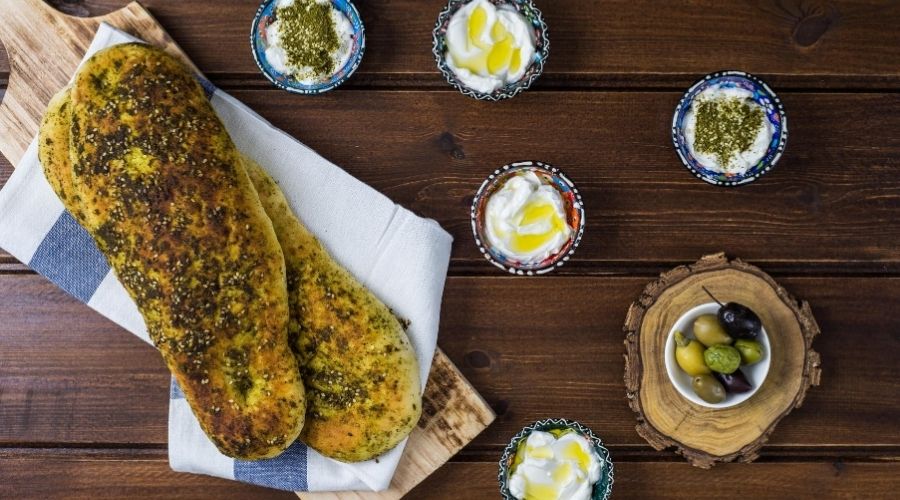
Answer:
(139, 157)
(360, 370)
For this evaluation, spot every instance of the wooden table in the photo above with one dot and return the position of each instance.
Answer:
(83, 404)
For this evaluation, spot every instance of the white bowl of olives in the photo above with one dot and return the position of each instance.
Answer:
(718, 355)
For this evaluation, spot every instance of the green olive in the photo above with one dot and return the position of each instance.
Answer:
(689, 355)
(708, 388)
(751, 351)
(709, 332)
(722, 358)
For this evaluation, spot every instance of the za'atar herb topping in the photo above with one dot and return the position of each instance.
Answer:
(308, 35)
(726, 127)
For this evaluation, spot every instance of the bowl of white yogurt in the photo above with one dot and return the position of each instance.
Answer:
(527, 218)
(307, 46)
(729, 128)
(556, 458)
(490, 49)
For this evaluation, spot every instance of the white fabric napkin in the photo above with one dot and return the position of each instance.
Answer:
(402, 258)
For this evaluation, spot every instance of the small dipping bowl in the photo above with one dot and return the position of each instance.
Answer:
(762, 95)
(573, 205)
(266, 16)
(602, 488)
(756, 373)
(541, 49)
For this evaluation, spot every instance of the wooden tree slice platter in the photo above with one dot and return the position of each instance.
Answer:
(706, 436)
(45, 47)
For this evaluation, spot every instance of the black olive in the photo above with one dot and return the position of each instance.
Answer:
(739, 321)
(735, 382)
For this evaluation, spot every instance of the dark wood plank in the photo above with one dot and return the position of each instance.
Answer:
(679, 480)
(50, 474)
(145, 474)
(69, 376)
(59, 356)
(831, 204)
(6, 169)
(432, 151)
(598, 44)
(548, 348)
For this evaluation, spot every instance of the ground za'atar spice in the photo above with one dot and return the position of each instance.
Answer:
(309, 36)
(727, 127)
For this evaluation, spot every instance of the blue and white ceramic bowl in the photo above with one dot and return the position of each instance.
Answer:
(266, 16)
(764, 96)
(602, 488)
(541, 49)
(574, 208)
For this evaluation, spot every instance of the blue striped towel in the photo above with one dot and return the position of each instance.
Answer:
(402, 258)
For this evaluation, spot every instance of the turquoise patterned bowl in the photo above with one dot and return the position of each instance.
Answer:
(266, 16)
(762, 95)
(574, 208)
(602, 488)
(541, 49)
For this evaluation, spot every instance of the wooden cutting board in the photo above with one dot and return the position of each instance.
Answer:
(44, 47)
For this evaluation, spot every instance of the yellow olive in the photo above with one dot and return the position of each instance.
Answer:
(689, 355)
(709, 332)
(708, 388)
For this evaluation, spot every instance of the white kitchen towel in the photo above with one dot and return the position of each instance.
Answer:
(402, 258)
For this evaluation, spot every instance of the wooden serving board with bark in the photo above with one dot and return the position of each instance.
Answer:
(45, 47)
(706, 436)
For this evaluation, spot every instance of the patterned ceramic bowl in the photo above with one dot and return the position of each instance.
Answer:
(574, 217)
(764, 96)
(266, 16)
(541, 49)
(602, 488)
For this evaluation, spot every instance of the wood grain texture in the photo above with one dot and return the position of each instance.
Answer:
(58, 387)
(82, 474)
(654, 480)
(52, 474)
(831, 204)
(34, 33)
(808, 43)
(708, 436)
(641, 203)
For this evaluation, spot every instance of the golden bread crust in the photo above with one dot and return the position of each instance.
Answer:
(359, 368)
(153, 176)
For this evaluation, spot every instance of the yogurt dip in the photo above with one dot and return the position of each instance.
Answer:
(551, 467)
(489, 47)
(726, 130)
(526, 219)
(304, 31)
